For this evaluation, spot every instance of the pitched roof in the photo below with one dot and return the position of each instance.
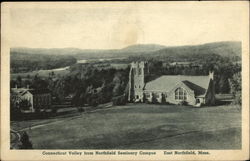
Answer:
(23, 91)
(197, 89)
(18, 91)
(198, 84)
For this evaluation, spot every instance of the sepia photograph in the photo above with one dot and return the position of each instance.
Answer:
(125, 79)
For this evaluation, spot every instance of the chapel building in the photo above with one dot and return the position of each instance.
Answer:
(173, 89)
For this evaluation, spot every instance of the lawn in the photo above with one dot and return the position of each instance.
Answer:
(143, 126)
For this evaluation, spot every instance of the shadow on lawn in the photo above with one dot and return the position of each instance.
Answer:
(123, 139)
(163, 137)
(43, 115)
(148, 108)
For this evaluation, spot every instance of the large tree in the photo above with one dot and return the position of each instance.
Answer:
(235, 87)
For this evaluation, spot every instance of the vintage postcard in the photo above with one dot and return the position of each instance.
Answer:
(125, 80)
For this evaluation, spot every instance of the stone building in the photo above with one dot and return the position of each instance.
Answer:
(173, 89)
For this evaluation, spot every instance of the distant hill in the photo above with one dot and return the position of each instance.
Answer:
(143, 48)
(225, 49)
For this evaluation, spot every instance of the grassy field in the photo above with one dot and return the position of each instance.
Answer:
(143, 126)
(43, 73)
(63, 71)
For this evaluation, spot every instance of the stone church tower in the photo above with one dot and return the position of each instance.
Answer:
(136, 81)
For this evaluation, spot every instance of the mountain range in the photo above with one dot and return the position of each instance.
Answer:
(225, 49)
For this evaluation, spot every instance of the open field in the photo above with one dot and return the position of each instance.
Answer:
(43, 73)
(143, 126)
(64, 71)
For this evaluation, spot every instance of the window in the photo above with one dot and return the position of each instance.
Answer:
(148, 95)
(139, 73)
(180, 94)
(197, 100)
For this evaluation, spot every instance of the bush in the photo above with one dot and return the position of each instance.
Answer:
(120, 100)
(94, 102)
(80, 109)
(54, 110)
(25, 104)
(183, 103)
(25, 141)
(15, 113)
(237, 99)
(154, 100)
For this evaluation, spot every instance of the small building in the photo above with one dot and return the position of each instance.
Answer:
(30, 100)
(173, 89)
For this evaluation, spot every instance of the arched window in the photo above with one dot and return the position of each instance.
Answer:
(180, 94)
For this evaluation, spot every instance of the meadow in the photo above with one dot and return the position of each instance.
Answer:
(143, 126)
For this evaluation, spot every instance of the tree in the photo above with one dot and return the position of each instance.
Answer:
(119, 100)
(223, 84)
(25, 104)
(28, 76)
(15, 112)
(235, 87)
(52, 74)
(19, 81)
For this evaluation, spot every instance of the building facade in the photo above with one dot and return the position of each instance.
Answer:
(173, 89)
(30, 100)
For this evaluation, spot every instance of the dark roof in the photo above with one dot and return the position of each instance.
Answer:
(198, 84)
(197, 89)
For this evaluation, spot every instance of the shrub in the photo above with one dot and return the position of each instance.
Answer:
(94, 102)
(80, 109)
(120, 100)
(237, 98)
(183, 103)
(154, 100)
(54, 110)
(15, 114)
(25, 141)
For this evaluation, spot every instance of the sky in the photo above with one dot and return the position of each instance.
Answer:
(115, 25)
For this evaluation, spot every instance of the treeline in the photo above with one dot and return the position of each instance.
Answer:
(22, 62)
(195, 58)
